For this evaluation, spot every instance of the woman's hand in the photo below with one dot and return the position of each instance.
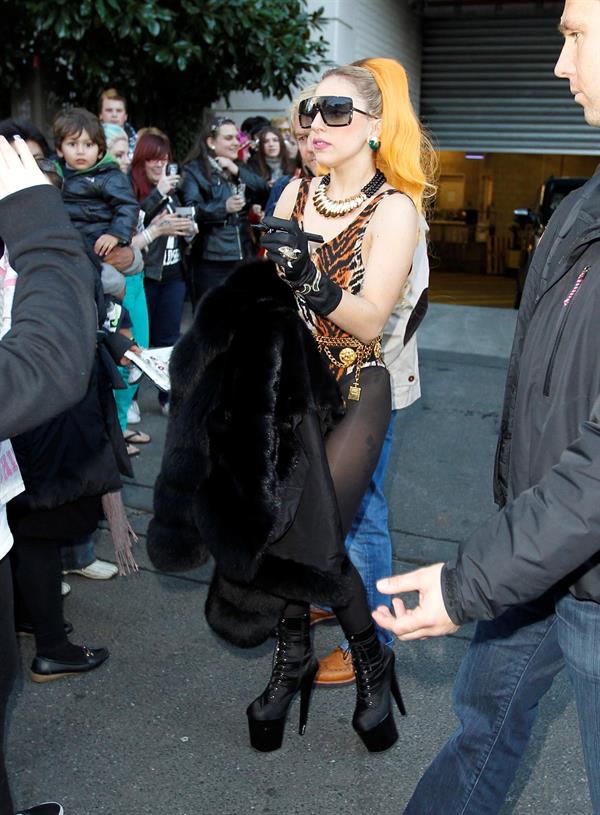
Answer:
(167, 223)
(167, 183)
(18, 168)
(227, 164)
(288, 246)
(235, 203)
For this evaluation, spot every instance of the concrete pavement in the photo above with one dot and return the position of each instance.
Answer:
(161, 727)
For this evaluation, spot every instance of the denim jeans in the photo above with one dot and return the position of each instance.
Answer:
(368, 543)
(509, 666)
(79, 554)
(165, 308)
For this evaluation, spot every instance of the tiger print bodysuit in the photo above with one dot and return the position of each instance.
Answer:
(354, 445)
(340, 259)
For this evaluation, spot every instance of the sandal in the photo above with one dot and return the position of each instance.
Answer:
(136, 437)
(132, 450)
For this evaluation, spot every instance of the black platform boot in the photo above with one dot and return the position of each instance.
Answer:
(376, 682)
(294, 669)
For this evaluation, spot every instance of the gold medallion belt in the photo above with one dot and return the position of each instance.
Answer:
(352, 352)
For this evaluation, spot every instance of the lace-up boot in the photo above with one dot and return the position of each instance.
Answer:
(294, 669)
(376, 682)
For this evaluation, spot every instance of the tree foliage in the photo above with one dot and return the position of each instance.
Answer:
(169, 57)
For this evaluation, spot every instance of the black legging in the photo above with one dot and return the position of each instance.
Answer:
(8, 669)
(37, 574)
(353, 449)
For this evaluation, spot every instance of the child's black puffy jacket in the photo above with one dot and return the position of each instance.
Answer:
(101, 201)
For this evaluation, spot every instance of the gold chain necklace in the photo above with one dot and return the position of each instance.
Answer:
(335, 209)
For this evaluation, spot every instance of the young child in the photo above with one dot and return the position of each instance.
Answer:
(98, 196)
(101, 204)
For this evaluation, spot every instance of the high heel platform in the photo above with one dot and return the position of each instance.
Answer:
(376, 683)
(294, 669)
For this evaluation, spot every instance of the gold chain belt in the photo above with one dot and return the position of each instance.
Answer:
(353, 352)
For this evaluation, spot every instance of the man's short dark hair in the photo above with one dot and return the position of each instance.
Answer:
(9, 128)
(253, 124)
(71, 123)
(113, 95)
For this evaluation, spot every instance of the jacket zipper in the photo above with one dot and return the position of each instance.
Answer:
(237, 233)
(561, 327)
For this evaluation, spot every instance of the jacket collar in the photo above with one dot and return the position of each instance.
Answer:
(580, 228)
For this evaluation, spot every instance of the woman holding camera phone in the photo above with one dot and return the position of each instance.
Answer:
(162, 238)
(221, 190)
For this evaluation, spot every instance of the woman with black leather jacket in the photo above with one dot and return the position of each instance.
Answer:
(221, 190)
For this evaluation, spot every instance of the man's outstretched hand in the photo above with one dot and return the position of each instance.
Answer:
(18, 168)
(429, 618)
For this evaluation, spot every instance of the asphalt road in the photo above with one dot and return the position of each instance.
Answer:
(161, 727)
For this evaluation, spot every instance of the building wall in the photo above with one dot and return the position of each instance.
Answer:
(355, 30)
(388, 28)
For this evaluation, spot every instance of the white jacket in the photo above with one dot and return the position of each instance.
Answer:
(11, 483)
(402, 360)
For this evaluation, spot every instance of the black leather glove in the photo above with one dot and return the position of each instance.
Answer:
(286, 236)
(287, 246)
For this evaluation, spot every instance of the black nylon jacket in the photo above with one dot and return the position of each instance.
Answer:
(547, 474)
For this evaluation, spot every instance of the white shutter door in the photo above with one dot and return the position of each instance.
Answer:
(488, 85)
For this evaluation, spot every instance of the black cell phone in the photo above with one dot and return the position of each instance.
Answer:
(309, 235)
(172, 168)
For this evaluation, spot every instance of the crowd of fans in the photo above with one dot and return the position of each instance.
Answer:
(157, 233)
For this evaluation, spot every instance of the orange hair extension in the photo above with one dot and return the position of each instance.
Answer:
(406, 155)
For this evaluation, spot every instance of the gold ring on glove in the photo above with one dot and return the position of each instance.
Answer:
(288, 253)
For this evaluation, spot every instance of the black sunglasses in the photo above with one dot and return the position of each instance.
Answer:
(336, 111)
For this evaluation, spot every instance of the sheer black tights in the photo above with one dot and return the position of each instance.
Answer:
(353, 450)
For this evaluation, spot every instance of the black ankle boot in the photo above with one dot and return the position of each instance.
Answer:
(294, 669)
(43, 809)
(373, 719)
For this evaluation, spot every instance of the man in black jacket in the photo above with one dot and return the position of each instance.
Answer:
(531, 573)
(45, 358)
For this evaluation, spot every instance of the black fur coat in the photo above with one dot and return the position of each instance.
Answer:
(244, 476)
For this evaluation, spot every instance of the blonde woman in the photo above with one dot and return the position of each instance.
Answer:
(366, 208)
